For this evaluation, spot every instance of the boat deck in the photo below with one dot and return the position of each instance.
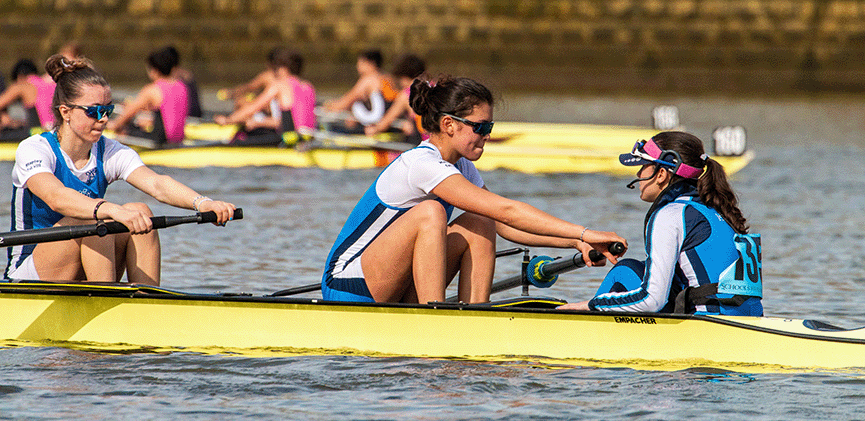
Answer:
(135, 319)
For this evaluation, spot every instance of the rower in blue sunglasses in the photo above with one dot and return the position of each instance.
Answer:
(96, 112)
(60, 178)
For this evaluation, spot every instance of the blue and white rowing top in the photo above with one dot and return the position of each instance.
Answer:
(109, 161)
(406, 182)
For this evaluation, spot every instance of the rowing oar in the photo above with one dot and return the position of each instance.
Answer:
(543, 271)
(101, 228)
(317, 286)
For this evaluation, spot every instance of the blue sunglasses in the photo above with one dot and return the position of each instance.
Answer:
(482, 129)
(95, 111)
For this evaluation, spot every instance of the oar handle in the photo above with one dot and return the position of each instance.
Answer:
(550, 268)
(101, 229)
(159, 222)
(561, 265)
(200, 218)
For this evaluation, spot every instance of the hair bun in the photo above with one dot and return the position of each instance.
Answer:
(418, 96)
(58, 65)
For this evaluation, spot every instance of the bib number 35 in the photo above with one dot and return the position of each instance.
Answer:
(745, 276)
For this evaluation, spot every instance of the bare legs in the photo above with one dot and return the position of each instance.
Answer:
(89, 258)
(139, 255)
(416, 257)
(471, 251)
(96, 258)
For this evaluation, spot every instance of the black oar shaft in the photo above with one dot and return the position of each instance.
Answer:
(317, 286)
(555, 267)
(562, 265)
(552, 268)
(548, 269)
(46, 235)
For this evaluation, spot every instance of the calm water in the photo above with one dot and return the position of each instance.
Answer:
(804, 193)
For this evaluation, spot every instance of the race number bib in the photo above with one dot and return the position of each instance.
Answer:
(745, 275)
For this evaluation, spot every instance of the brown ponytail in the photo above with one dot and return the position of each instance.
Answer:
(717, 194)
(457, 96)
(712, 185)
(71, 76)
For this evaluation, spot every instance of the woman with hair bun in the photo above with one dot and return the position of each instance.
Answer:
(701, 258)
(398, 246)
(167, 97)
(60, 177)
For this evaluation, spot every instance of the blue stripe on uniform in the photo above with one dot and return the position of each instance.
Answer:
(358, 232)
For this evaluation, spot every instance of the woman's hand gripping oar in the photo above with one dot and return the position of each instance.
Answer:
(102, 228)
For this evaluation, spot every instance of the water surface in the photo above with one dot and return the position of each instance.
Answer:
(804, 193)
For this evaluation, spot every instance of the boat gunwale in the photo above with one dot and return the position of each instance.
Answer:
(135, 292)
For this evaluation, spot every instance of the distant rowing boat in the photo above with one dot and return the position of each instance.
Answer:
(535, 148)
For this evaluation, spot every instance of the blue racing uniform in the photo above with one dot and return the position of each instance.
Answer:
(109, 161)
(693, 256)
(406, 182)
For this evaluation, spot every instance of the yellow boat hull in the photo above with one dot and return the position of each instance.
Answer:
(535, 148)
(124, 318)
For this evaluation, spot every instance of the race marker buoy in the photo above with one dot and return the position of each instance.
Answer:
(729, 140)
(665, 117)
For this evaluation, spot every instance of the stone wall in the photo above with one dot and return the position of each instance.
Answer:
(677, 46)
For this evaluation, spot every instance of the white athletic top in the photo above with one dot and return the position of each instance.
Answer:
(37, 154)
(406, 182)
(410, 179)
(34, 155)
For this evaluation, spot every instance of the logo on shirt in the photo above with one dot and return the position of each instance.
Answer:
(89, 176)
(36, 163)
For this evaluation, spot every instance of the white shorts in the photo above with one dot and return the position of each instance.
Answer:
(347, 285)
(25, 272)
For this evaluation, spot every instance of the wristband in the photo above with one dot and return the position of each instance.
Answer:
(195, 201)
(198, 201)
(96, 209)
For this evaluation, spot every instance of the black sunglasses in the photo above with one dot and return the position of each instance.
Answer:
(482, 129)
(95, 111)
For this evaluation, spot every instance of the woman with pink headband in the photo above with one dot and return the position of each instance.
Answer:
(701, 258)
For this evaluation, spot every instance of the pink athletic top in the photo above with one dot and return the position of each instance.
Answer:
(44, 96)
(303, 110)
(174, 108)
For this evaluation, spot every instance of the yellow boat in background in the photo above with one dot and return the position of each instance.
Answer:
(534, 148)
